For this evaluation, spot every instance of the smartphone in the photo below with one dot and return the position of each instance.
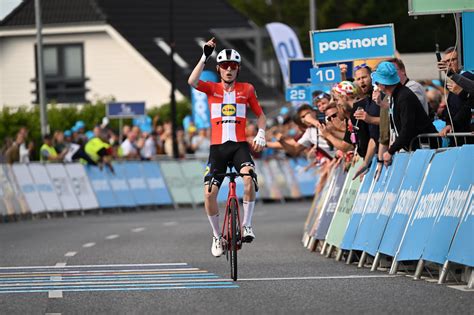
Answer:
(438, 56)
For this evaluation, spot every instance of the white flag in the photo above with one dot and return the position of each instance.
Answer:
(285, 44)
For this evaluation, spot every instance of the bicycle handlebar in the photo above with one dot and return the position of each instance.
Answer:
(251, 173)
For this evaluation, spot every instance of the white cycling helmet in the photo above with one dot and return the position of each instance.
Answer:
(228, 55)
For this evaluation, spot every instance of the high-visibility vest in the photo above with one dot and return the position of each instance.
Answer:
(51, 150)
(93, 146)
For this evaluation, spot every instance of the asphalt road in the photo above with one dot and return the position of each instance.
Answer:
(159, 262)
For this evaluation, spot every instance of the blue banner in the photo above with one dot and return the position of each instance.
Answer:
(468, 40)
(306, 178)
(200, 108)
(338, 45)
(299, 70)
(364, 195)
(125, 109)
(461, 249)
(330, 208)
(100, 185)
(159, 193)
(136, 181)
(380, 206)
(428, 205)
(325, 77)
(459, 187)
(406, 200)
(118, 182)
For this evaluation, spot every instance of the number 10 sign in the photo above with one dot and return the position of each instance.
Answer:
(325, 76)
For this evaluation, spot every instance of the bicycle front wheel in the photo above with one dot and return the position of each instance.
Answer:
(235, 233)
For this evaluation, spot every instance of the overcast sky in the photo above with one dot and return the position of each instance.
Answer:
(6, 6)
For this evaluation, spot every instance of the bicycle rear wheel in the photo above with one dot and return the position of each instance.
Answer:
(234, 239)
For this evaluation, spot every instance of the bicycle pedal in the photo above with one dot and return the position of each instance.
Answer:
(247, 239)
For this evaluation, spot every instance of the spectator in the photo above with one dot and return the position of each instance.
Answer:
(458, 119)
(48, 152)
(26, 150)
(149, 148)
(12, 154)
(58, 141)
(129, 147)
(6, 145)
(408, 119)
(99, 150)
(416, 87)
(201, 144)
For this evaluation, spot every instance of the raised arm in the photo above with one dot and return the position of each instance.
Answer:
(206, 53)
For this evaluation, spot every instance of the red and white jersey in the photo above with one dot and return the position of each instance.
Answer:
(229, 110)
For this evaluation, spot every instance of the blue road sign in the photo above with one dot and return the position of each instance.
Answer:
(337, 45)
(298, 93)
(299, 70)
(125, 109)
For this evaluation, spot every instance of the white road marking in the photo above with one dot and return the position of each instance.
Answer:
(70, 254)
(88, 266)
(172, 223)
(52, 314)
(113, 281)
(139, 229)
(319, 278)
(111, 237)
(86, 245)
(461, 288)
(55, 294)
(60, 264)
(45, 273)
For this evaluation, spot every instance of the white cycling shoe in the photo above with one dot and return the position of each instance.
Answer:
(216, 248)
(248, 236)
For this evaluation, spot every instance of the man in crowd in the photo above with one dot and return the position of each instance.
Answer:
(407, 116)
(48, 152)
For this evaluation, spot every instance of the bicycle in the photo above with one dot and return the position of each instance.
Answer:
(232, 228)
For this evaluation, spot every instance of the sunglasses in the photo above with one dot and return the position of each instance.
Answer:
(331, 117)
(362, 65)
(226, 64)
(321, 96)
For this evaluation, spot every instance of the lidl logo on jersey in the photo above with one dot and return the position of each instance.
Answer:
(228, 110)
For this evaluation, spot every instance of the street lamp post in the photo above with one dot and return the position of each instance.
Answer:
(173, 84)
(40, 63)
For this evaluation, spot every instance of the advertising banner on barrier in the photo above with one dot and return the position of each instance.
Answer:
(263, 186)
(450, 214)
(280, 178)
(159, 193)
(176, 182)
(291, 180)
(380, 207)
(270, 181)
(338, 45)
(365, 194)
(407, 196)
(428, 205)
(9, 195)
(330, 207)
(307, 178)
(133, 174)
(344, 207)
(461, 249)
(28, 188)
(119, 184)
(45, 187)
(81, 186)
(137, 182)
(194, 175)
(319, 201)
(63, 186)
(101, 186)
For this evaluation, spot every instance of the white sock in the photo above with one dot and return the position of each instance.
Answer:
(214, 220)
(248, 212)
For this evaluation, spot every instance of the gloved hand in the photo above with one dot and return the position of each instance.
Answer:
(208, 49)
(259, 141)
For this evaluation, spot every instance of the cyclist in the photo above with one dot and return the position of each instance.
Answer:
(228, 101)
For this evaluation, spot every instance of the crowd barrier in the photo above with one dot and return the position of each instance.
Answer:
(419, 214)
(36, 188)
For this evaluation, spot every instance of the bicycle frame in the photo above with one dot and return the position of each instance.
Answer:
(227, 227)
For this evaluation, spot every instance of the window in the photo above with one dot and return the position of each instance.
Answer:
(64, 73)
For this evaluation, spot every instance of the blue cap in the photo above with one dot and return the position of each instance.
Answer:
(80, 124)
(284, 111)
(385, 74)
(74, 129)
(90, 134)
(67, 133)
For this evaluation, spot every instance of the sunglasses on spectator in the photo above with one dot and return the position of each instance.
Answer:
(321, 96)
(226, 64)
(331, 117)
(361, 66)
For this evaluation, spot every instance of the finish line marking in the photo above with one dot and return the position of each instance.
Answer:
(319, 278)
